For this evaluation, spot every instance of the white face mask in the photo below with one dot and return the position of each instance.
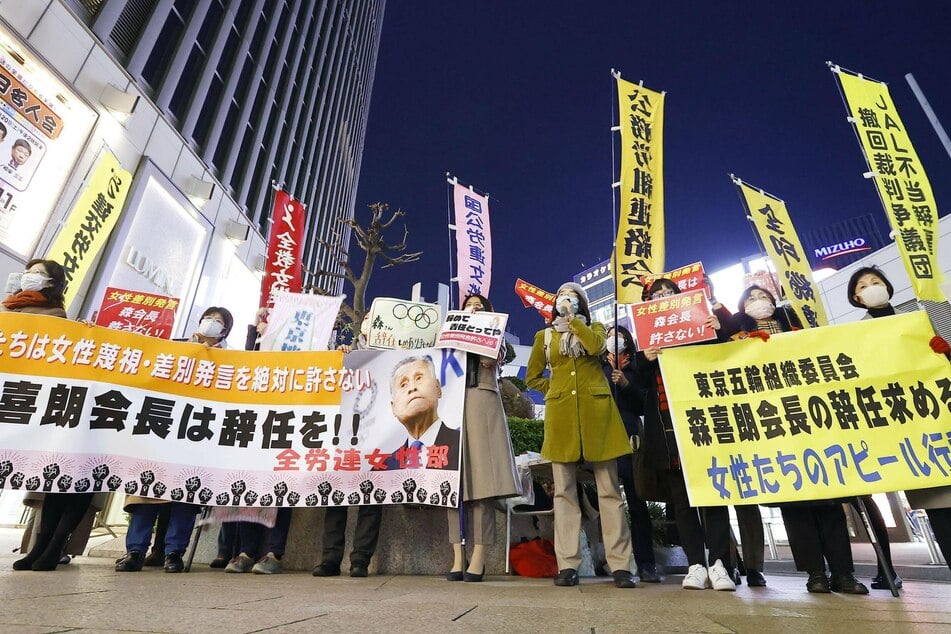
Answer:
(210, 328)
(874, 296)
(609, 344)
(760, 309)
(33, 281)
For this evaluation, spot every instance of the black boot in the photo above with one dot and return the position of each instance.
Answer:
(73, 509)
(53, 552)
(39, 546)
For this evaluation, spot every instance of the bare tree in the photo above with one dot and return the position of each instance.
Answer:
(372, 242)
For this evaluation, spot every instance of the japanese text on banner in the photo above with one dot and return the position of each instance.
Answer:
(902, 184)
(639, 246)
(90, 409)
(282, 271)
(473, 242)
(812, 414)
(779, 237)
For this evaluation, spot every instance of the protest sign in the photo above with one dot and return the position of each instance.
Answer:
(300, 321)
(403, 324)
(479, 332)
(672, 321)
(134, 311)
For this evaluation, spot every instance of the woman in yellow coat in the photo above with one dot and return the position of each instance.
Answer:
(582, 423)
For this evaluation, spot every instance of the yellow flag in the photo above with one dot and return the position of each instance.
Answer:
(90, 222)
(812, 414)
(900, 178)
(778, 235)
(639, 246)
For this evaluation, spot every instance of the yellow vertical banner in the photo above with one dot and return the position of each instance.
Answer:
(902, 184)
(90, 222)
(776, 232)
(639, 246)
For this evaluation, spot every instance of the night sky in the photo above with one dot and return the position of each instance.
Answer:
(516, 99)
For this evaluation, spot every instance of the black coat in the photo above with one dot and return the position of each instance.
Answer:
(629, 399)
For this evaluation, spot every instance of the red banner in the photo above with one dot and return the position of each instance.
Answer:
(283, 269)
(534, 297)
(141, 313)
(672, 321)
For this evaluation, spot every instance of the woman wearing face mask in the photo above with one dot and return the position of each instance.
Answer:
(488, 466)
(869, 288)
(213, 326)
(581, 423)
(659, 474)
(59, 517)
(817, 530)
(617, 363)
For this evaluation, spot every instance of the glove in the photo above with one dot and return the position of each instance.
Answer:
(939, 345)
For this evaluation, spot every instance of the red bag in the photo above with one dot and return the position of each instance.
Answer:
(535, 558)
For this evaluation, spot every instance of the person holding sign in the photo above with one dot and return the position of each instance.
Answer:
(657, 465)
(60, 514)
(817, 530)
(869, 288)
(581, 423)
(488, 466)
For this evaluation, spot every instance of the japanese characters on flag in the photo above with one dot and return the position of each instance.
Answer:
(639, 245)
(90, 222)
(813, 414)
(403, 324)
(672, 321)
(778, 236)
(900, 178)
(300, 322)
(480, 333)
(93, 409)
(473, 242)
(535, 297)
(282, 271)
(138, 312)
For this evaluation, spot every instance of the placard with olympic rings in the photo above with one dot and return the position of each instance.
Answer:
(400, 324)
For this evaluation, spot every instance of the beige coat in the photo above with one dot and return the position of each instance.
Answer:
(933, 498)
(488, 469)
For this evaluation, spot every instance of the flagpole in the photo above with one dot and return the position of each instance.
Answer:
(615, 127)
(929, 113)
(451, 182)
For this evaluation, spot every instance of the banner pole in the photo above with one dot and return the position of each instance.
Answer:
(451, 182)
(615, 125)
(929, 113)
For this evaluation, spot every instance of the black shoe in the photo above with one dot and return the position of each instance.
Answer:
(735, 576)
(818, 582)
(455, 575)
(359, 570)
(219, 562)
(473, 577)
(174, 563)
(880, 583)
(648, 574)
(623, 579)
(154, 559)
(755, 578)
(567, 577)
(847, 584)
(131, 562)
(326, 569)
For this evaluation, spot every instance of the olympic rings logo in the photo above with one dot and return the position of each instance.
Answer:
(422, 317)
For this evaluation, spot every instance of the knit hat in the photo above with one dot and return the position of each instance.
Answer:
(854, 281)
(571, 286)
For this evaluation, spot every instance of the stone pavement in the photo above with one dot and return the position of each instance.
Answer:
(89, 596)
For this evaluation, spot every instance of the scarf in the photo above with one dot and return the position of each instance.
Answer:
(882, 311)
(26, 298)
(569, 346)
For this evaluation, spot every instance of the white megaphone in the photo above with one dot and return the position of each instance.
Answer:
(13, 283)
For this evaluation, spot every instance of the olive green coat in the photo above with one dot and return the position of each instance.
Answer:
(581, 419)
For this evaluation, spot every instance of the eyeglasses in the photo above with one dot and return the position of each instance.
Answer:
(664, 292)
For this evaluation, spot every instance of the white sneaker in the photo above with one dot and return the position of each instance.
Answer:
(719, 578)
(696, 578)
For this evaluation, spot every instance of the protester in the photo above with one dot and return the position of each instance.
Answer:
(618, 366)
(60, 514)
(659, 468)
(488, 466)
(213, 327)
(581, 423)
(869, 288)
(369, 516)
(817, 529)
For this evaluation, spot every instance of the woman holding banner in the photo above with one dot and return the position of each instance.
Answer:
(581, 423)
(817, 529)
(488, 466)
(60, 515)
(868, 288)
(659, 475)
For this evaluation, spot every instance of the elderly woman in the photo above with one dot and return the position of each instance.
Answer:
(581, 423)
